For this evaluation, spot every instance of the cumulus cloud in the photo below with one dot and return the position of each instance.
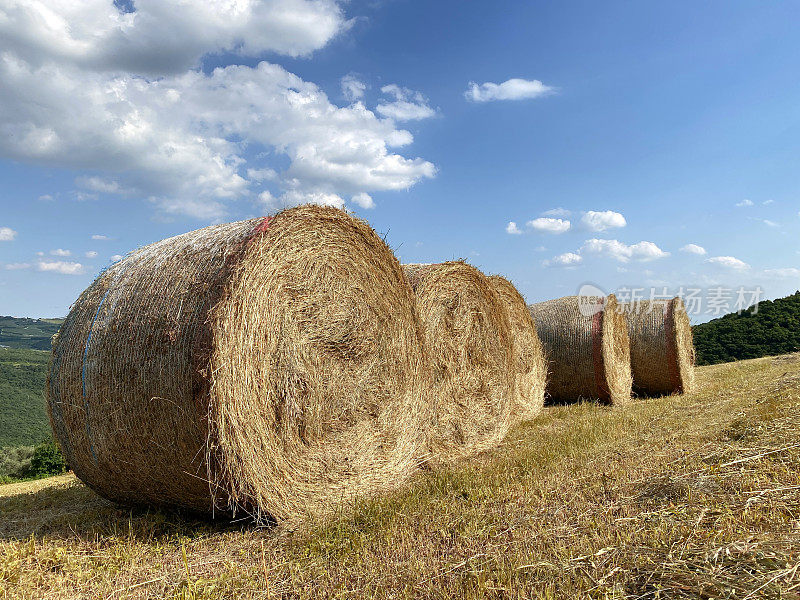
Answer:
(7, 234)
(568, 259)
(405, 105)
(117, 257)
(770, 223)
(729, 262)
(79, 91)
(602, 220)
(364, 200)
(90, 254)
(59, 266)
(46, 198)
(17, 266)
(745, 202)
(60, 252)
(353, 88)
(549, 225)
(164, 37)
(513, 229)
(693, 249)
(512, 89)
(641, 251)
(100, 237)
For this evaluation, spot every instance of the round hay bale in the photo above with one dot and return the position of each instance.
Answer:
(586, 343)
(468, 339)
(273, 366)
(530, 365)
(662, 352)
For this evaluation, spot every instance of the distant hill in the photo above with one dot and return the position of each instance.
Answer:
(27, 333)
(774, 328)
(23, 416)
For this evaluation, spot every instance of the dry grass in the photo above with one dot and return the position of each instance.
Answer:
(694, 496)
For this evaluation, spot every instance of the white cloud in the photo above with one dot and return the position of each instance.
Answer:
(297, 197)
(7, 234)
(745, 202)
(91, 254)
(46, 198)
(770, 223)
(98, 184)
(693, 249)
(641, 251)
(74, 97)
(353, 88)
(557, 212)
(364, 200)
(164, 36)
(100, 237)
(549, 225)
(17, 266)
(262, 174)
(60, 252)
(512, 89)
(407, 105)
(117, 257)
(568, 259)
(767, 202)
(602, 220)
(59, 266)
(788, 273)
(513, 229)
(729, 262)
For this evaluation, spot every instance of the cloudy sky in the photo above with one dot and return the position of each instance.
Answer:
(628, 145)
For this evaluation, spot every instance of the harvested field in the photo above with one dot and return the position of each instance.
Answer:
(690, 496)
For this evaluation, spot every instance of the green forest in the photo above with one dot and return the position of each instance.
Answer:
(771, 327)
(27, 333)
(23, 417)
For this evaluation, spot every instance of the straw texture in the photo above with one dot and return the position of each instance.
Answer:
(469, 341)
(662, 352)
(588, 351)
(272, 366)
(530, 366)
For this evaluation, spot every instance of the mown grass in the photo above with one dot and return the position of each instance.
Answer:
(696, 496)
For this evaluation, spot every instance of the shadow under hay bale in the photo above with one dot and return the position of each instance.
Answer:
(587, 348)
(273, 366)
(530, 365)
(662, 352)
(469, 341)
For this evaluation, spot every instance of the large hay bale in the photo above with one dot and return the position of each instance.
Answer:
(586, 344)
(274, 366)
(469, 342)
(662, 352)
(530, 365)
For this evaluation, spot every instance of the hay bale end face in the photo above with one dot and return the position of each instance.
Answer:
(662, 351)
(272, 366)
(587, 348)
(530, 365)
(468, 338)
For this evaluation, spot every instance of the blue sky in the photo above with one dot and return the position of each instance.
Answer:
(665, 134)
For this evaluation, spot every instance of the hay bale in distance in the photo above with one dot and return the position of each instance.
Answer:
(662, 352)
(273, 366)
(469, 342)
(587, 349)
(530, 364)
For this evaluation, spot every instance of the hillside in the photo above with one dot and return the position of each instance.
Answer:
(692, 496)
(27, 333)
(772, 329)
(23, 416)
